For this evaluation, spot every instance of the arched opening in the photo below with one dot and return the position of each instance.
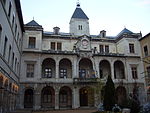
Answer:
(6, 84)
(104, 68)
(65, 68)
(119, 70)
(1, 81)
(48, 97)
(86, 97)
(48, 68)
(65, 97)
(28, 98)
(121, 95)
(86, 68)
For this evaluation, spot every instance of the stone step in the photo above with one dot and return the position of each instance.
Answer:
(21, 111)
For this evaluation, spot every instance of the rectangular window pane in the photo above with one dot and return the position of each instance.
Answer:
(82, 73)
(145, 51)
(53, 45)
(9, 11)
(30, 70)
(63, 73)
(5, 47)
(106, 49)
(59, 46)
(131, 48)
(32, 42)
(101, 49)
(134, 72)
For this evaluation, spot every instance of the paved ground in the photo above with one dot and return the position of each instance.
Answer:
(57, 111)
(67, 111)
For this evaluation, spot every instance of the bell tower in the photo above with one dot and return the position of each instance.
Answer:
(79, 23)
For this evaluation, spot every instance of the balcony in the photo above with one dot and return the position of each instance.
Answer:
(85, 80)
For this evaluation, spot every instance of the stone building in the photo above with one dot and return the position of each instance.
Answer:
(59, 70)
(145, 47)
(11, 33)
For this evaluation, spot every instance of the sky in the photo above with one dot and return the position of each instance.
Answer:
(109, 15)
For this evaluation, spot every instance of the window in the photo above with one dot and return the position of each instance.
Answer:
(53, 45)
(15, 29)
(63, 96)
(106, 49)
(148, 71)
(82, 73)
(5, 47)
(9, 11)
(134, 72)
(32, 41)
(9, 53)
(47, 96)
(63, 73)
(131, 48)
(101, 49)
(80, 27)
(59, 46)
(30, 70)
(13, 20)
(15, 65)
(145, 51)
(47, 73)
(12, 63)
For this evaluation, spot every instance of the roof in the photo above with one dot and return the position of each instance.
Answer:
(145, 36)
(19, 11)
(125, 30)
(33, 23)
(78, 13)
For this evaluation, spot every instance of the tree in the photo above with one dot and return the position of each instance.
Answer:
(109, 94)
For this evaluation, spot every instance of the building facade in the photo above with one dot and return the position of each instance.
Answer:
(59, 70)
(145, 47)
(11, 33)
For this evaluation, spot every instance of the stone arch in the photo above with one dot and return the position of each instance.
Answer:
(1, 81)
(104, 68)
(65, 68)
(28, 98)
(48, 68)
(6, 84)
(86, 96)
(65, 97)
(48, 97)
(121, 95)
(86, 68)
(119, 71)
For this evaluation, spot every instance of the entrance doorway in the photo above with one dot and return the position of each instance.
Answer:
(84, 97)
(28, 98)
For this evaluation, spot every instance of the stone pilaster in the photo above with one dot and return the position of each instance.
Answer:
(76, 100)
(56, 99)
(112, 71)
(37, 102)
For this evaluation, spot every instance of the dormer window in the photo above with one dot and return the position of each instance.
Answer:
(103, 34)
(80, 27)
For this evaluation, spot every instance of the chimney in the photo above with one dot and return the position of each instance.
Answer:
(56, 30)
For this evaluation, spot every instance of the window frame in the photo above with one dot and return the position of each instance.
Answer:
(131, 48)
(145, 52)
(30, 70)
(32, 43)
(134, 72)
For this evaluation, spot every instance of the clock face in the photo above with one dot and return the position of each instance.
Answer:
(85, 42)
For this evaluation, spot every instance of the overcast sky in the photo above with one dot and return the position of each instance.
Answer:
(109, 15)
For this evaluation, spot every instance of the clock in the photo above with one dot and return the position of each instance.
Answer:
(84, 42)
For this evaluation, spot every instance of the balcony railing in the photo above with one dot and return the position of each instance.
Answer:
(85, 80)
